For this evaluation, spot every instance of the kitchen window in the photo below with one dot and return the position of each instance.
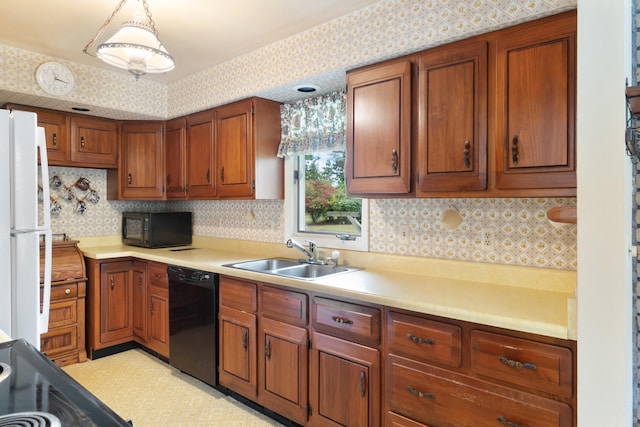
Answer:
(316, 205)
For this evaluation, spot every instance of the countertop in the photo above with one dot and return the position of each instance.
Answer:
(534, 300)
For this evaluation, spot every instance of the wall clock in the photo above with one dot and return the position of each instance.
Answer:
(54, 78)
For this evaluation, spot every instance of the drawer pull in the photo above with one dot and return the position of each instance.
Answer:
(420, 394)
(342, 320)
(67, 291)
(507, 423)
(158, 275)
(420, 340)
(516, 364)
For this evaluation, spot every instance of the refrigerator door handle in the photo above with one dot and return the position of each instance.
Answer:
(41, 144)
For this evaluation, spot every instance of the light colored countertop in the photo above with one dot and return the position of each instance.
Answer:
(534, 300)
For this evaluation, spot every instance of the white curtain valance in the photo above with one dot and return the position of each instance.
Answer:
(314, 124)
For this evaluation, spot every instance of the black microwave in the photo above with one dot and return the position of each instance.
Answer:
(156, 229)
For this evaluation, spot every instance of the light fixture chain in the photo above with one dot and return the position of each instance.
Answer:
(148, 12)
(106, 24)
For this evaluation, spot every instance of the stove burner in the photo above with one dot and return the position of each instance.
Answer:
(29, 419)
(5, 371)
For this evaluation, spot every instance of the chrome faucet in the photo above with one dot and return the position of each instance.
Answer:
(311, 253)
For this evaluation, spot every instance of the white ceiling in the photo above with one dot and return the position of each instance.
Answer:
(199, 34)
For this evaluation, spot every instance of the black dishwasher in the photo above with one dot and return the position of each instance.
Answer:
(193, 313)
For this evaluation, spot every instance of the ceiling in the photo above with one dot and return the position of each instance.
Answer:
(199, 34)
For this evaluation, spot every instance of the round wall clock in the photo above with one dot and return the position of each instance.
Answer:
(54, 78)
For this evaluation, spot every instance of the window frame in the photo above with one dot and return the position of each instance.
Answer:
(292, 204)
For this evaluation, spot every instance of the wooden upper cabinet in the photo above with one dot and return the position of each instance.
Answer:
(94, 142)
(176, 158)
(141, 169)
(535, 99)
(248, 134)
(201, 175)
(379, 130)
(452, 118)
(235, 149)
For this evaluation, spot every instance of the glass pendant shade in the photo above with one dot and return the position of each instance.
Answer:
(136, 48)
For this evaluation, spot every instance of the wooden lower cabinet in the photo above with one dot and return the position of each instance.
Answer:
(125, 305)
(345, 383)
(238, 352)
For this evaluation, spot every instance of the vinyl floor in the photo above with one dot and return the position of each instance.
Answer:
(151, 393)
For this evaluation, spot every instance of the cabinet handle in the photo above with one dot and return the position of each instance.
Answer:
(342, 320)
(505, 422)
(222, 174)
(516, 364)
(208, 175)
(362, 384)
(129, 179)
(420, 394)
(140, 282)
(467, 160)
(82, 142)
(394, 160)
(245, 336)
(514, 149)
(267, 349)
(67, 291)
(112, 282)
(151, 306)
(158, 275)
(420, 340)
(55, 141)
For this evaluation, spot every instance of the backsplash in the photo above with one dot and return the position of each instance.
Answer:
(523, 235)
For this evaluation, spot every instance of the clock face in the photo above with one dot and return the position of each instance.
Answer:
(54, 78)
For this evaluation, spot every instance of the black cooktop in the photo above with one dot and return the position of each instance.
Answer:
(36, 392)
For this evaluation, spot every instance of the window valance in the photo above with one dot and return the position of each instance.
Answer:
(314, 124)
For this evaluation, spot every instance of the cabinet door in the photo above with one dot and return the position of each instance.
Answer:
(176, 158)
(139, 302)
(283, 369)
(238, 352)
(201, 176)
(379, 130)
(94, 142)
(536, 106)
(345, 383)
(116, 310)
(142, 161)
(235, 142)
(158, 308)
(452, 118)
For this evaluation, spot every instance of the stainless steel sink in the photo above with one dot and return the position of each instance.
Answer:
(291, 268)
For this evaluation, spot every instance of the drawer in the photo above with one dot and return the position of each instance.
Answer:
(64, 291)
(285, 305)
(59, 340)
(238, 294)
(346, 320)
(158, 275)
(526, 363)
(442, 398)
(425, 340)
(394, 420)
(63, 313)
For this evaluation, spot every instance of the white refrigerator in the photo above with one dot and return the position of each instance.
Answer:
(24, 307)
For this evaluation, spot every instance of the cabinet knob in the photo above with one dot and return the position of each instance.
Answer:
(67, 291)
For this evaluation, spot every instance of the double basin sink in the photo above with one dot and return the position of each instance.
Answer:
(297, 269)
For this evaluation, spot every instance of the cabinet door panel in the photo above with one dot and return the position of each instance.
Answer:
(115, 302)
(142, 161)
(94, 141)
(238, 351)
(452, 130)
(176, 162)
(535, 99)
(379, 130)
(201, 176)
(139, 298)
(235, 149)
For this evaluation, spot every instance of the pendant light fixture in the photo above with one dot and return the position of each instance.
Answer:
(135, 47)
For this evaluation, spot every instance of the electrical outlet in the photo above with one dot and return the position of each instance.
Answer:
(487, 238)
(403, 233)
